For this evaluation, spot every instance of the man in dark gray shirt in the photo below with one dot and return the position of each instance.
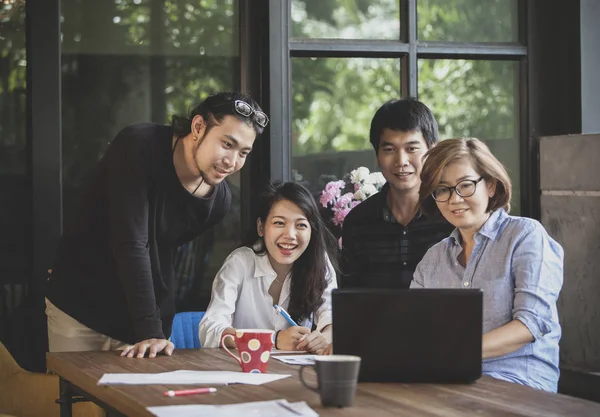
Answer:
(156, 188)
(386, 236)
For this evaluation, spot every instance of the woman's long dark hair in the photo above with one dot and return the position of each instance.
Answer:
(310, 269)
(213, 110)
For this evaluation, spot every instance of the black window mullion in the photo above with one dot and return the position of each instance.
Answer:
(404, 81)
(522, 17)
(280, 90)
(529, 180)
(44, 132)
(251, 66)
(530, 184)
(346, 47)
(459, 50)
(412, 64)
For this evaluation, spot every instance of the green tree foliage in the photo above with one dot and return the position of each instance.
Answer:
(332, 106)
(469, 97)
(334, 99)
(15, 188)
(126, 61)
(13, 66)
(467, 20)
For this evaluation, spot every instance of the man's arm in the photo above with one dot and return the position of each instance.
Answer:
(128, 167)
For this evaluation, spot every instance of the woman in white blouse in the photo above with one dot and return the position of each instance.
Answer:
(290, 264)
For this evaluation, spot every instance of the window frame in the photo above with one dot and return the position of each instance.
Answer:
(409, 50)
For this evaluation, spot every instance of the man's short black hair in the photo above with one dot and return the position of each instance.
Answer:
(407, 115)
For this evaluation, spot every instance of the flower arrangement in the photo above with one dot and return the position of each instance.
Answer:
(343, 195)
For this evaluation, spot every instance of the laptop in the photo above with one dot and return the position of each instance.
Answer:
(418, 335)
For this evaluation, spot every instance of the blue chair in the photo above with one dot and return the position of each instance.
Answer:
(184, 333)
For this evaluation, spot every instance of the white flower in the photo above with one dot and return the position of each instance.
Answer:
(359, 174)
(359, 195)
(368, 189)
(371, 179)
(377, 179)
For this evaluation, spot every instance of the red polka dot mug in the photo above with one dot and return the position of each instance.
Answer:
(254, 346)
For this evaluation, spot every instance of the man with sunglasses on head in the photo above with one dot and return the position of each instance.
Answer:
(387, 235)
(156, 188)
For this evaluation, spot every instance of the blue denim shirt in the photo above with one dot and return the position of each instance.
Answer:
(519, 267)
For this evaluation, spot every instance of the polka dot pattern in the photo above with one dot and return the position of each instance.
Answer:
(254, 348)
(254, 344)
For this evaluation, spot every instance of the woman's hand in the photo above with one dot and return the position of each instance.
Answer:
(152, 346)
(327, 351)
(289, 338)
(230, 341)
(313, 342)
(505, 339)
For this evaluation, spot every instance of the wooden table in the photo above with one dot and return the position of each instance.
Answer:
(80, 371)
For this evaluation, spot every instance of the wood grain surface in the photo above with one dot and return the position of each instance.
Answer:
(485, 397)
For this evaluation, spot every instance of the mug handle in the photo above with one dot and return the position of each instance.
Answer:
(301, 374)
(224, 346)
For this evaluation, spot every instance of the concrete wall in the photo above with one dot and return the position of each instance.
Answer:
(570, 211)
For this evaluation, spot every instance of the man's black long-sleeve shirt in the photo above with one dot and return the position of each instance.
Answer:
(114, 267)
(378, 252)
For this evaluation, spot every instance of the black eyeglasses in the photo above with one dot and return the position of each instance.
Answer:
(246, 110)
(464, 188)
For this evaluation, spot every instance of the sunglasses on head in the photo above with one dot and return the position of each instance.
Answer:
(246, 110)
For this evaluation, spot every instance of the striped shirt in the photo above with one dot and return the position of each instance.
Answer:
(378, 252)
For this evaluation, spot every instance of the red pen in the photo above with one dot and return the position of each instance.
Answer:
(181, 392)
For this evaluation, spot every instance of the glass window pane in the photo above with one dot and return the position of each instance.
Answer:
(15, 183)
(340, 19)
(334, 100)
(131, 61)
(477, 99)
(467, 20)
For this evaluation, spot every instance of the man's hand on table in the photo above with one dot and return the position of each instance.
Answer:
(150, 346)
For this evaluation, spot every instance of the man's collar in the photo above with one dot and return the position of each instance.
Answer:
(386, 211)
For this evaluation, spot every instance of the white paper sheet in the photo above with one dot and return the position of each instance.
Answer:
(190, 377)
(276, 408)
(287, 352)
(296, 359)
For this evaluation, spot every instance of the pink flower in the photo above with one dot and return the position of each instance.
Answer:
(331, 192)
(327, 198)
(340, 242)
(344, 201)
(334, 187)
(363, 184)
(339, 215)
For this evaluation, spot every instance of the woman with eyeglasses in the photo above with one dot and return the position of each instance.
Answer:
(156, 188)
(512, 259)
